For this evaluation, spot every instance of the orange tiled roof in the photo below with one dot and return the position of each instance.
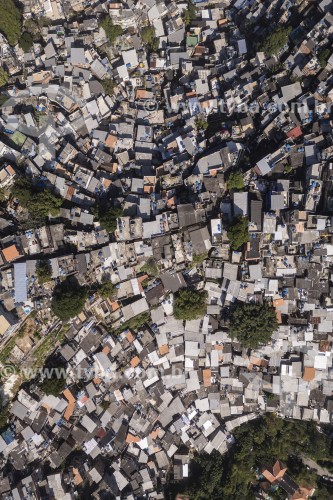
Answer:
(10, 253)
(111, 141)
(10, 170)
(207, 377)
(70, 192)
(69, 411)
(69, 396)
(129, 336)
(154, 434)
(114, 304)
(132, 439)
(309, 373)
(269, 476)
(135, 362)
(164, 349)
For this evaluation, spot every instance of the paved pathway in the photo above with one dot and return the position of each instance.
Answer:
(321, 471)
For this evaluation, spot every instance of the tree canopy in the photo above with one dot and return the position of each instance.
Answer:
(190, 304)
(253, 324)
(189, 13)
(238, 232)
(39, 203)
(54, 384)
(44, 271)
(323, 57)
(3, 77)
(148, 35)
(10, 21)
(68, 299)
(107, 216)
(106, 289)
(26, 41)
(276, 40)
(150, 267)
(258, 444)
(235, 181)
(109, 86)
(112, 31)
(201, 123)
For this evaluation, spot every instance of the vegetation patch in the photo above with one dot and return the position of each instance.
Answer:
(238, 233)
(190, 304)
(253, 324)
(68, 299)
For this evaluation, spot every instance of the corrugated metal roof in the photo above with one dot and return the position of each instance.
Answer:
(20, 282)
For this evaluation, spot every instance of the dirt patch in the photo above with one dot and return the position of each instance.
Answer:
(25, 344)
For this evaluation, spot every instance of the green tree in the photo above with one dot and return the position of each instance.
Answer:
(39, 203)
(4, 413)
(189, 13)
(44, 21)
(10, 21)
(198, 259)
(253, 324)
(3, 195)
(55, 384)
(135, 323)
(107, 216)
(276, 40)
(258, 444)
(3, 98)
(235, 181)
(206, 476)
(148, 35)
(3, 77)
(32, 27)
(190, 304)
(238, 233)
(324, 56)
(26, 41)
(109, 86)
(201, 123)
(112, 31)
(68, 299)
(150, 267)
(106, 289)
(44, 271)
(145, 283)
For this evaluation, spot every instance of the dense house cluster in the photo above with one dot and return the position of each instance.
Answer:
(203, 104)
